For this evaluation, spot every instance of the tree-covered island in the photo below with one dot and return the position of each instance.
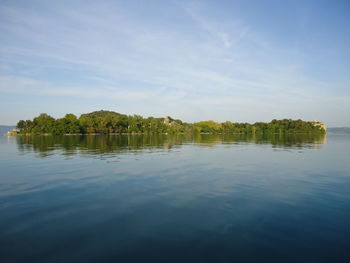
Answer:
(109, 122)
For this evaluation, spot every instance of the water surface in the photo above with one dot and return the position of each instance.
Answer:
(175, 199)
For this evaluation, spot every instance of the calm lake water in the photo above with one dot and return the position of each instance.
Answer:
(175, 199)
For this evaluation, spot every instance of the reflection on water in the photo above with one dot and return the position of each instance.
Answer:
(176, 199)
(92, 144)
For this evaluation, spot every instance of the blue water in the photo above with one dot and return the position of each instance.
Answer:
(175, 199)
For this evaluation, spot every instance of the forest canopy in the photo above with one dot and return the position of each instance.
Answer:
(109, 122)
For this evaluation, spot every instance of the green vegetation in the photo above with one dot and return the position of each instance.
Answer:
(108, 122)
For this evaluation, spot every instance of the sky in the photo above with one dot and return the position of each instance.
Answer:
(243, 61)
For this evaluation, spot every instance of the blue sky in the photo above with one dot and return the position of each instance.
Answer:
(243, 61)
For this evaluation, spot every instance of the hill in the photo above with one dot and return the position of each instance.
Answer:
(339, 130)
(102, 114)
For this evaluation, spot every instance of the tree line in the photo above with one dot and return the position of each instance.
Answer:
(108, 122)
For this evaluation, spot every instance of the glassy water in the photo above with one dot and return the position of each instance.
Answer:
(175, 199)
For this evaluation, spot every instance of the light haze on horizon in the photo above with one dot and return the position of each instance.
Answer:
(243, 61)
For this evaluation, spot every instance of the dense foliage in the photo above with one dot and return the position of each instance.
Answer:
(108, 122)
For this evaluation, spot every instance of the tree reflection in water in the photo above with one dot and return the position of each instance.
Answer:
(104, 144)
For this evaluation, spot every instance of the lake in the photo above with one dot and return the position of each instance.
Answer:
(165, 198)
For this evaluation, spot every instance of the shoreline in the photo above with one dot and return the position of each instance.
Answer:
(138, 134)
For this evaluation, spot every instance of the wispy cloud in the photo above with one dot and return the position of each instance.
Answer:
(25, 86)
(234, 33)
(106, 51)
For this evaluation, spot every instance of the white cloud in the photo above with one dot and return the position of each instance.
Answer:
(105, 52)
(25, 86)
